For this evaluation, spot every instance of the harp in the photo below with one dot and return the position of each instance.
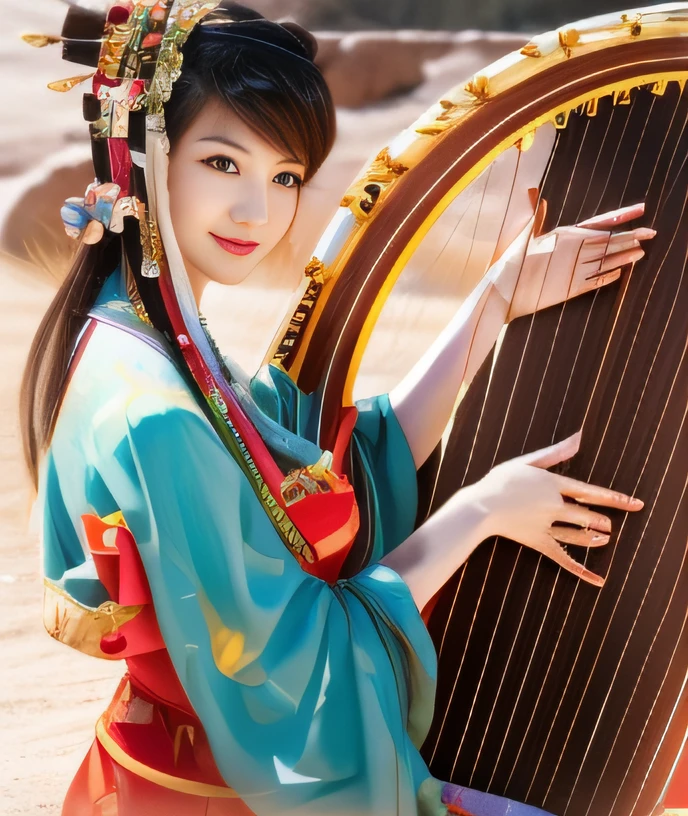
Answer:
(550, 691)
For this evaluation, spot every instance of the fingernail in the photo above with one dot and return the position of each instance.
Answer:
(600, 538)
(638, 503)
(643, 233)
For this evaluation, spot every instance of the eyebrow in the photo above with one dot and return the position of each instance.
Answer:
(225, 141)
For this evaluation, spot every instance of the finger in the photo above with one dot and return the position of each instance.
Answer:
(594, 494)
(554, 454)
(615, 259)
(644, 233)
(614, 217)
(93, 232)
(592, 251)
(579, 538)
(551, 549)
(621, 242)
(584, 517)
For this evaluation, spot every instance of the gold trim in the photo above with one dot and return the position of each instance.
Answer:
(544, 51)
(159, 777)
(554, 115)
(315, 269)
(79, 626)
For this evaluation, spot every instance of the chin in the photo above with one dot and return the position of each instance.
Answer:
(236, 273)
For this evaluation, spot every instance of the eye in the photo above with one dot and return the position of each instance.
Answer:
(222, 163)
(287, 180)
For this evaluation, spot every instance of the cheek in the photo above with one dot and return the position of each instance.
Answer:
(189, 204)
(282, 211)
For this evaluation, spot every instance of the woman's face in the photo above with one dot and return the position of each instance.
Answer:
(232, 197)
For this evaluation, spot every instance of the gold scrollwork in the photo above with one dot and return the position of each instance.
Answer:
(568, 38)
(80, 626)
(315, 270)
(479, 87)
(364, 193)
(531, 50)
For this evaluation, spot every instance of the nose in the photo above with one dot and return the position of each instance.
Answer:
(251, 204)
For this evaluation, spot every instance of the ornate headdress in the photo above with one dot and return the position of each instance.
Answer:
(136, 48)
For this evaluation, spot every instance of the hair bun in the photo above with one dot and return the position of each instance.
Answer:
(306, 39)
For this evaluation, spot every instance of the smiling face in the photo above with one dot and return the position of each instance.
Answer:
(233, 196)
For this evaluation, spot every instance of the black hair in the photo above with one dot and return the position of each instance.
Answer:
(267, 76)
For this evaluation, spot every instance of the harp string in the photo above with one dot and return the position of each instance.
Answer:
(463, 569)
(659, 747)
(525, 608)
(615, 549)
(436, 480)
(635, 336)
(616, 155)
(635, 155)
(647, 657)
(496, 540)
(439, 468)
(507, 592)
(539, 559)
(570, 605)
(486, 182)
(640, 141)
(458, 673)
(530, 589)
(555, 584)
(575, 590)
(640, 539)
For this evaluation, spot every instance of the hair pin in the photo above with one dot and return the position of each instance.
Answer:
(41, 40)
(64, 85)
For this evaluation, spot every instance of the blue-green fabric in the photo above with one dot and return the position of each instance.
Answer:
(379, 445)
(315, 698)
(324, 705)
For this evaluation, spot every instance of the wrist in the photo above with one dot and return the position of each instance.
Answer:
(471, 505)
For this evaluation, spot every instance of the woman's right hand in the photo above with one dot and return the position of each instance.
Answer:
(526, 503)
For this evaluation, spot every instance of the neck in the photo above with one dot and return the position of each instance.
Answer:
(198, 282)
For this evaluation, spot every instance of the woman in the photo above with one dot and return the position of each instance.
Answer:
(172, 488)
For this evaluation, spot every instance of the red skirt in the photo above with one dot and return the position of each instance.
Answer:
(102, 787)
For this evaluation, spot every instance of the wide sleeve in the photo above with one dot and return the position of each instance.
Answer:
(381, 463)
(315, 698)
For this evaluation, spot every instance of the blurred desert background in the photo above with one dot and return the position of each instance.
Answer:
(385, 62)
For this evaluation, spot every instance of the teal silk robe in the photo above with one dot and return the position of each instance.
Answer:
(326, 694)
(315, 698)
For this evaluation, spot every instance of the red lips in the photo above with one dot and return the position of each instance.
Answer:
(235, 245)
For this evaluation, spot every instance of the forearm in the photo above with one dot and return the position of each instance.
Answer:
(424, 401)
(428, 558)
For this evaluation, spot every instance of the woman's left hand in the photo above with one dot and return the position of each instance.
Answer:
(544, 270)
